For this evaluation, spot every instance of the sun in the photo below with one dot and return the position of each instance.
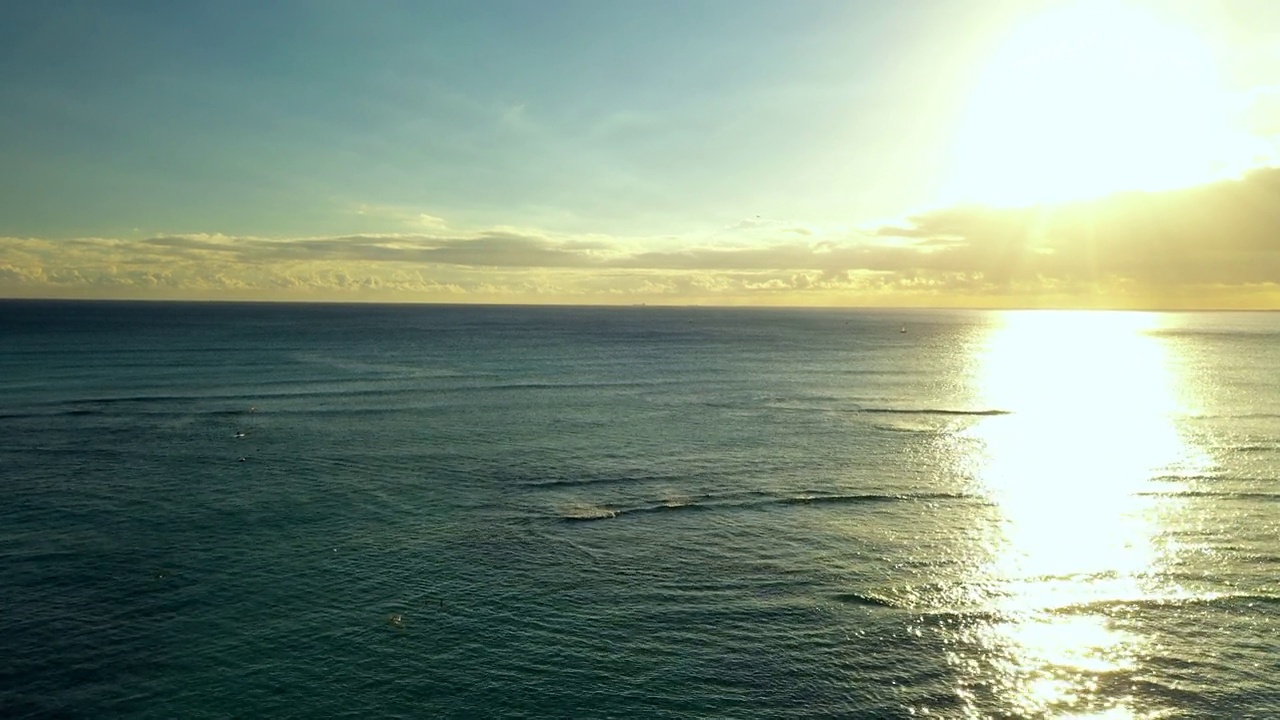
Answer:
(1091, 98)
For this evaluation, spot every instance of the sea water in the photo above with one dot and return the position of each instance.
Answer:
(240, 510)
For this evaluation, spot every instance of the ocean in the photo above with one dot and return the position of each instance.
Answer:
(327, 511)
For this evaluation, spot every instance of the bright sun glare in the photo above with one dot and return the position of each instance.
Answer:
(1092, 98)
(1074, 473)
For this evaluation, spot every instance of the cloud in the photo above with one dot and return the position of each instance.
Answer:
(754, 222)
(1212, 245)
(431, 221)
(400, 216)
(1263, 113)
(1221, 233)
(513, 115)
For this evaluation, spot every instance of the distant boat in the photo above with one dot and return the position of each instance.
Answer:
(904, 329)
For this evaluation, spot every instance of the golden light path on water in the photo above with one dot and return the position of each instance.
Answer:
(1092, 399)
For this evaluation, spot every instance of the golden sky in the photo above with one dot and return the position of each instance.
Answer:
(979, 153)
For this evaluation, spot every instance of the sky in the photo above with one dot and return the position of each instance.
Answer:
(977, 153)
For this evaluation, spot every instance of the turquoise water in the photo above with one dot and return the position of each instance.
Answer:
(407, 511)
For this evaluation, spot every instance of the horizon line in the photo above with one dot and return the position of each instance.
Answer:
(632, 306)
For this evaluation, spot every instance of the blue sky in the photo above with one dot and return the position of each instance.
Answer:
(284, 118)
(610, 130)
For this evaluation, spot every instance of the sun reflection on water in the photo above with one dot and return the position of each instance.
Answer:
(1092, 404)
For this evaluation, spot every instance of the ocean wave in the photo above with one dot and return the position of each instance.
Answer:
(907, 427)
(583, 511)
(868, 599)
(590, 511)
(985, 612)
(1231, 416)
(1192, 477)
(873, 498)
(1267, 496)
(934, 411)
(1221, 600)
(607, 480)
(586, 512)
(72, 406)
(73, 412)
(559, 385)
(135, 399)
(1251, 448)
(91, 411)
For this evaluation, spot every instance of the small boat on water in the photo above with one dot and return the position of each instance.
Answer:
(904, 329)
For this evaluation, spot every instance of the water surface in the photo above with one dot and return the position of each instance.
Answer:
(430, 511)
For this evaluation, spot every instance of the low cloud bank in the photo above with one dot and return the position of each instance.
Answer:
(1216, 245)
